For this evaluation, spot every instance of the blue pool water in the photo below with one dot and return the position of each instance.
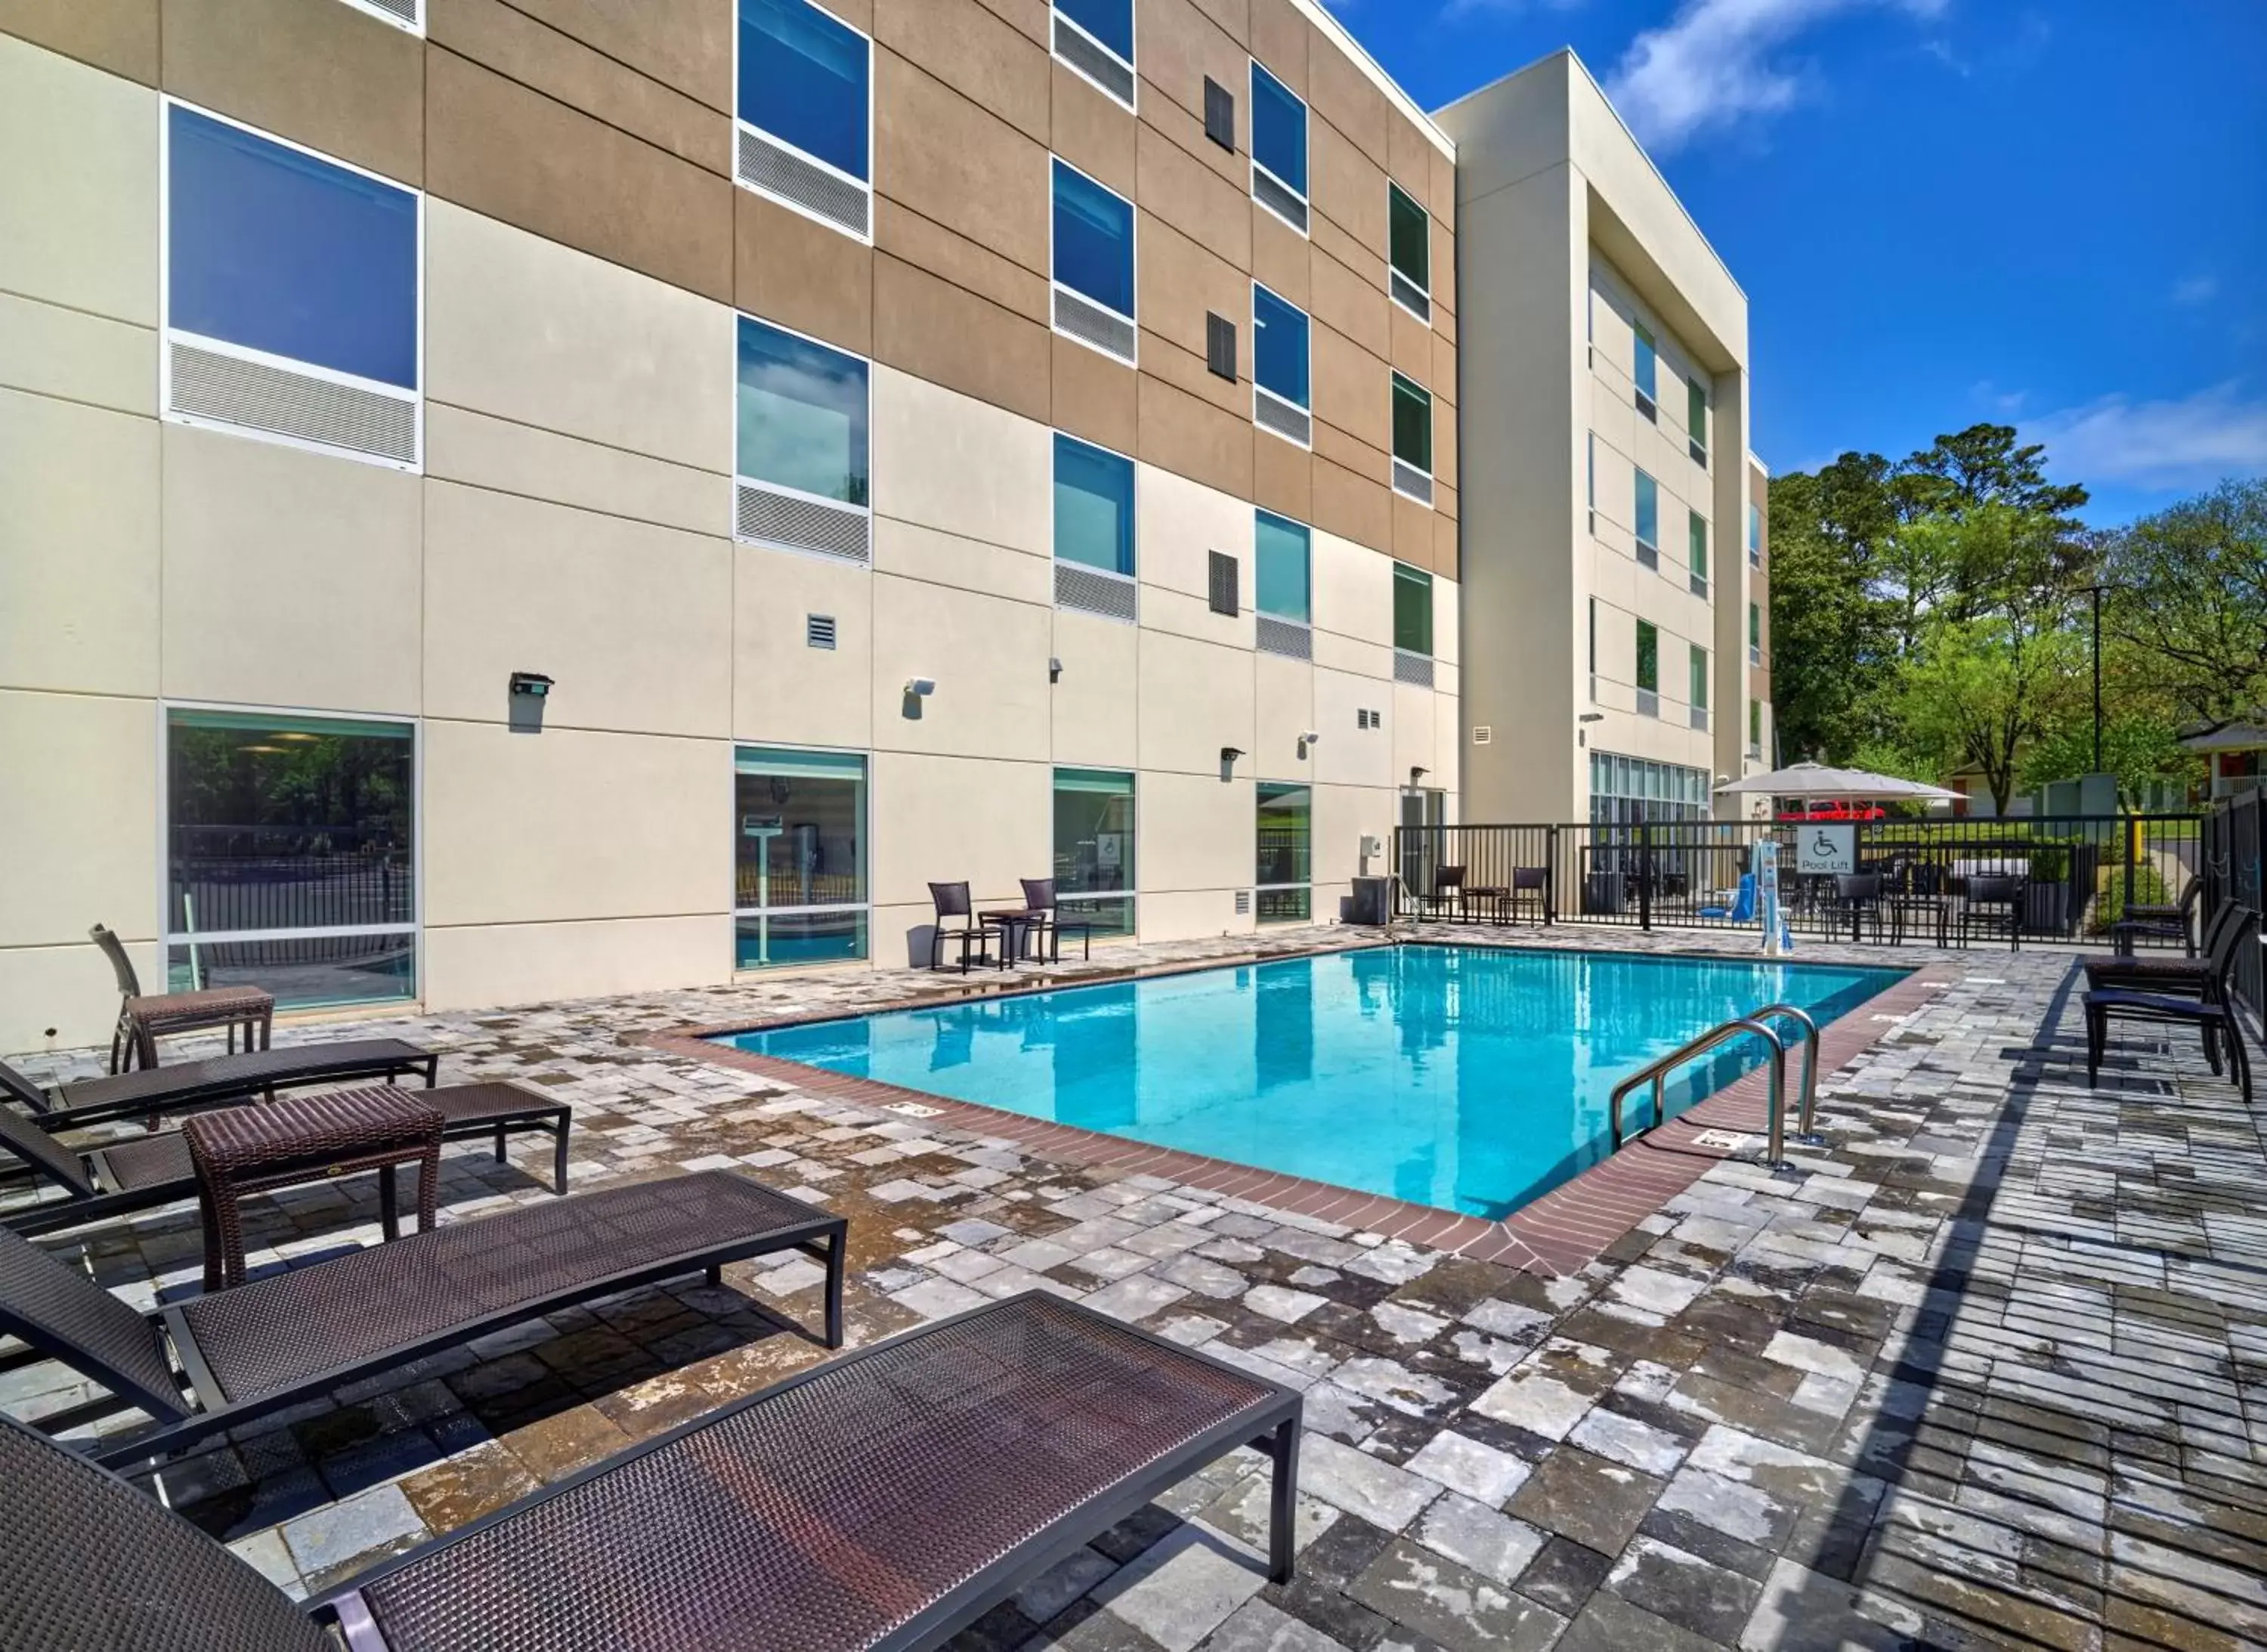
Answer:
(1470, 1079)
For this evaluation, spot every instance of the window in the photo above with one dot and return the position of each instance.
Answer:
(1283, 878)
(291, 856)
(1222, 595)
(1412, 610)
(1094, 847)
(1283, 549)
(1624, 790)
(1697, 695)
(1646, 370)
(1696, 551)
(1648, 669)
(1593, 649)
(1220, 347)
(1093, 264)
(1220, 115)
(1095, 38)
(1755, 634)
(1755, 728)
(1755, 534)
(1695, 420)
(1412, 439)
(1280, 367)
(1593, 496)
(1409, 251)
(1648, 520)
(798, 858)
(292, 306)
(1279, 149)
(805, 107)
(802, 415)
(1094, 530)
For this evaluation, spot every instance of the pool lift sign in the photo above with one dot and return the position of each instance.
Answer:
(1821, 849)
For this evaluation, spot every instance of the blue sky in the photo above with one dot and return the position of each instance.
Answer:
(2052, 214)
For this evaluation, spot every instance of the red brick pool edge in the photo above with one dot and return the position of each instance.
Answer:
(1557, 1233)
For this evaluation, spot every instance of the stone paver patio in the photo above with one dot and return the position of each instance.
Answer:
(1988, 1369)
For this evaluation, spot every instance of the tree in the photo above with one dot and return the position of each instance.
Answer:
(2190, 597)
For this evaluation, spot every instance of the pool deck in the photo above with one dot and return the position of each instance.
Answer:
(1987, 1369)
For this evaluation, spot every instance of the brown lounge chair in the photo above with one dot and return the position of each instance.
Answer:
(216, 1083)
(882, 1500)
(141, 1172)
(298, 1335)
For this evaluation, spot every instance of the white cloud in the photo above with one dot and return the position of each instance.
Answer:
(1461, 10)
(2188, 442)
(1984, 394)
(2195, 290)
(1712, 66)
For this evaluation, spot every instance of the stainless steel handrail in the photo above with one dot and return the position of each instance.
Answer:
(1807, 1097)
(1654, 1072)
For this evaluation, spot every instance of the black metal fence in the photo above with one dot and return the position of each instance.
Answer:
(228, 878)
(1928, 882)
(2232, 873)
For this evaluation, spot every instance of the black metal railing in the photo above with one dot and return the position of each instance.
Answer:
(1928, 882)
(2232, 873)
(233, 878)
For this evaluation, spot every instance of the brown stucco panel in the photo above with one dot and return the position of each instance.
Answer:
(801, 274)
(119, 36)
(928, 327)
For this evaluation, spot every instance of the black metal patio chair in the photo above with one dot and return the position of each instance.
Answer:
(2176, 922)
(1857, 896)
(1039, 896)
(1530, 882)
(1994, 901)
(952, 901)
(2213, 1013)
(1446, 894)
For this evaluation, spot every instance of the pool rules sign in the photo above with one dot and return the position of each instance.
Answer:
(1825, 849)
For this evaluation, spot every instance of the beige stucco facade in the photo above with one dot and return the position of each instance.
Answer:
(572, 513)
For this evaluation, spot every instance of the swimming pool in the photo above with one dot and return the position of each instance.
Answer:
(1467, 1078)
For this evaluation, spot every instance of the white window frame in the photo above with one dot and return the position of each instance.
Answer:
(416, 27)
(415, 928)
(1306, 117)
(1064, 898)
(1395, 463)
(800, 153)
(1392, 189)
(1055, 285)
(782, 489)
(1056, 18)
(1259, 390)
(167, 334)
(732, 750)
(1132, 580)
(1641, 544)
(1259, 889)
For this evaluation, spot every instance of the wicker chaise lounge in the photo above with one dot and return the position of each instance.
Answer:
(215, 1082)
(882, 1500)
(141, 1172)
(298, 1335)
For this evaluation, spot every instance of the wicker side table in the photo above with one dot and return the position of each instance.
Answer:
(143, 1019)
(257, 1150)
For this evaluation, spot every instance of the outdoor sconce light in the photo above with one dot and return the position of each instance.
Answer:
(1054, 671)
(1310, 739)
(534, 685)
(1416, 774)
(920, 688)
(1229, 754)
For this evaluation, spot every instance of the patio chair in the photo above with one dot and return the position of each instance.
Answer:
(2176, 922)
(2183, 977)
(2212, 1013)
(295, 1336)
(217, 1081)
(1858, 895)
(1446, 895)
(141, 1172)
(1531, 882)
(1039, 896)
(952, 901)
(1743, 909)
(1994, 900)
(144, 1018)
(884, 1500)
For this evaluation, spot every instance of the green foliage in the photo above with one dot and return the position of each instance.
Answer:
(2149, 890)
(2191, 602)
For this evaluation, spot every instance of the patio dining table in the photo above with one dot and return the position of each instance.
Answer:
(1016, 925)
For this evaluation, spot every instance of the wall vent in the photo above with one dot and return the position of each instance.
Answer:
(1278, 200)
(1645, 410)
(1220, 115)
(818, 630)
(1089, 323)
(1648, 556)
(1220, 347)
(1222, 582)
(1287, 637)
(1699, 582)
(1271, 412)
(1416, 669)
(1094, 590)
(1482, 734)
(1412, 298)
(768, 516)
(1097, 62)
(775, 170)
(1243, 896)
(282, 400)
(407, 14)
(1412, 483)
(1700, 718)
(1649, 704)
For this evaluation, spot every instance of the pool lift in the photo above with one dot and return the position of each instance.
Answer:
(1779, 935)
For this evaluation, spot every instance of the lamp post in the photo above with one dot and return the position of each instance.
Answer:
(2095, 591)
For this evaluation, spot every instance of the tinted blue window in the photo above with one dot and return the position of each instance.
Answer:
(1649, 509)
(1279, 130)
(1282, 554)
(1278, 345)
(279, 251)
(804, 78)
(1094, 240)
(1094, 506)
(1109, 21)
(802, 415)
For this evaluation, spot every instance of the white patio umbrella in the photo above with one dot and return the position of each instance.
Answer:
(1816, 779)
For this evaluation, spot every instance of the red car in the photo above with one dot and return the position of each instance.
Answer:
(1838, 811)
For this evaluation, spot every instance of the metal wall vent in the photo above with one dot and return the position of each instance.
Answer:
(1649, 703)
(1700, 718)
(1416, 669)
(1093, 590)
(1220, 347)
(1699, 583)
(1412, 296)
(1096, 61)
(1220, 113)
(764, 515)
(1089, 323)
(1271, 412)
(230, 390)
(1221, 583)
(1278, 200)
(1645, 410)
(1243, 903)
(775, 170)
(818, 630)
(1412, 482)
(1648, 556)
(1482, 734)
(1286, 637)
(408, 14)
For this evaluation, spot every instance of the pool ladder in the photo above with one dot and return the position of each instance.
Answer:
(1756, 1024)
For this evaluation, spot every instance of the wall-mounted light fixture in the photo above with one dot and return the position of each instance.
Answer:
(1054, 670)
(1308, 740)
(535, 685)
(920, 688)
(1417, 772)
(1582, 736)
(1229, 754)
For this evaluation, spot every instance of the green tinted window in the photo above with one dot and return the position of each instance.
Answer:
(1412, 609)
(1648, 656)
(1413, 424)
(1699, 677)
(1409, 236)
